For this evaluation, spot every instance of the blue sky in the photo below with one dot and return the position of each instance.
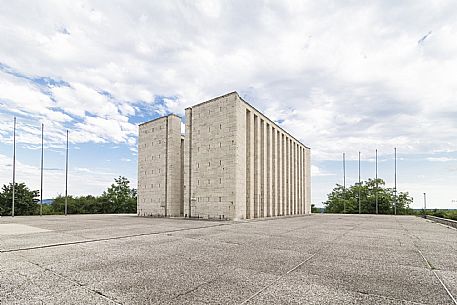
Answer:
(341, 77)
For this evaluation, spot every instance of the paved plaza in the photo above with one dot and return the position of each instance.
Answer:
(317, 259)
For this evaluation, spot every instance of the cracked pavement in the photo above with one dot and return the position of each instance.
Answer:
(317, 259)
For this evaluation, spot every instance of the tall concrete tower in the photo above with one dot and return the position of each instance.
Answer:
(160, 186)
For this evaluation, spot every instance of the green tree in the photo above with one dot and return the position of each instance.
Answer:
(314, 209)
(119, 197)
(345, 200)
(75, 205)
(25, 202)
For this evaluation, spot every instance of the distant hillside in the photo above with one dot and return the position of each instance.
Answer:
(47, 201)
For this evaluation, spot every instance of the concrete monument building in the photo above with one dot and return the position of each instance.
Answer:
(234, 163)
(160, 179)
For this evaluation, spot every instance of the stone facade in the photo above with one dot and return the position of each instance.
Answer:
(160, 186)
(235, 163)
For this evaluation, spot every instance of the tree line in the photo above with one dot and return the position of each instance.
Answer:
(118, 198)
(346, 199)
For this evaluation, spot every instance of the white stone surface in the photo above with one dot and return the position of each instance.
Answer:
(159, 167)
(235, 164)
(15, 229)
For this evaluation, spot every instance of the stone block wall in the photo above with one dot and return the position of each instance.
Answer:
(159, 167)
(209, 159)
(233, 163)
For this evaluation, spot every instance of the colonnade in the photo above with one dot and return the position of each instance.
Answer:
(275, 170)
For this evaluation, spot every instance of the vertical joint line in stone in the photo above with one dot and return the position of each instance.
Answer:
(248, 164)
(190, 161)
(166, 165)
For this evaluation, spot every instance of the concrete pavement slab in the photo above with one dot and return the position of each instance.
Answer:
(124, 259)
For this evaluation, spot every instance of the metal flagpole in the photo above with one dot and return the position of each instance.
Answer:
(425, 204)
(344, 170)
(376, 191)
(42, 156)
(395, 181)
(344, 181)
(66, 179)
(360, 207)
(14, 167)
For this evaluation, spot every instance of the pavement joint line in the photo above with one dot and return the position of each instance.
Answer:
(277, 279)
(110, 238)
(133, 235)
(146, 234)
(294, 268)
(430, 267)
(194, 288)
(198, 287)
(436, 275)
(445, 287)
(206, 240)
(387, 298)
(82, 286)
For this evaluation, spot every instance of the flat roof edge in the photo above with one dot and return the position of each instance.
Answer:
(285, 131)
(213, 99)
(161, 117)
(235, 92)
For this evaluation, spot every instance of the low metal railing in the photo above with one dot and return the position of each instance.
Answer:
(445, 221)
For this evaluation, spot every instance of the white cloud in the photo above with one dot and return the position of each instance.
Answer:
(340, 77)
(22, 96)
(316, 171)
(82, 181)
(80, 99)
(103, 130)
(441, 159)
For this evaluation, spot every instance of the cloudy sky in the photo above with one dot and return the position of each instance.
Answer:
(343, 76)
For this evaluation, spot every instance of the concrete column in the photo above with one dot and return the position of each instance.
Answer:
(173, 188)
(253, 168)
(302, 192)
(296, 178)
(249, 177)
(300, 166)
(267, 162)
(278, 173)
(287, 155)
(188, 164)
(291, 175)
(286, 183)
(294, 188)
(291, 166)
(281, 174)
(271, 183)
(297, 183)
(273, 171)
(256, 166)
(308, 180)
(287, 188)
(304, 181)
(262, 169)
(277, 163)
(268, 167)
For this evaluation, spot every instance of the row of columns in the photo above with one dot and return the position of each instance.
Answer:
(275, 170)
